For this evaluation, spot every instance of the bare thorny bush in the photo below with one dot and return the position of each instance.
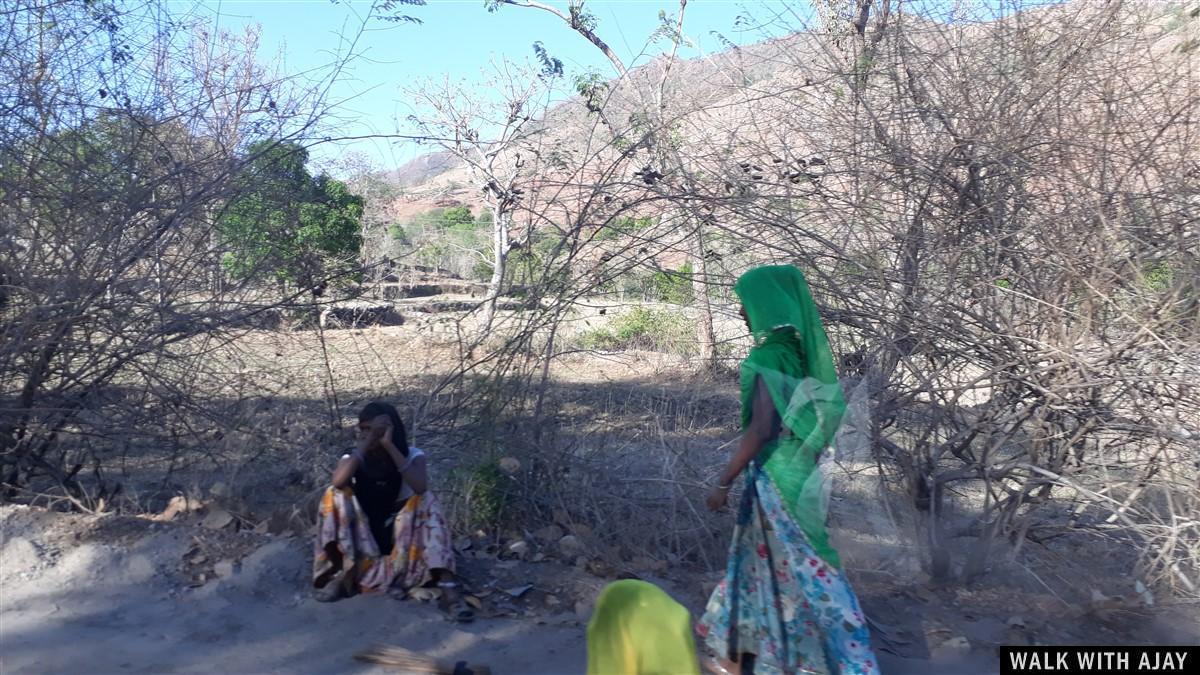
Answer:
(123, 136)
(1000, 217)
(1023, 194)
(997, 213)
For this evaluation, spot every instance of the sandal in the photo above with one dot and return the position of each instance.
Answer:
(327, 593)
(458, 608)
(461, 612)
(341, 585)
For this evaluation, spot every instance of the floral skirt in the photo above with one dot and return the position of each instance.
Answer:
(347, 554)
(780, 601)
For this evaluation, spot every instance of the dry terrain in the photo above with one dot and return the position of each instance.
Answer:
(214, 577)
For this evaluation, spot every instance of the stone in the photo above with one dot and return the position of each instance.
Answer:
(17, 553)
(217, 519)
(951, 650)
(224, 569)
(518, 591)
(583, 610)
(519, 548)
(570, 546)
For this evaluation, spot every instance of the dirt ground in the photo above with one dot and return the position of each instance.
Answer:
(126, 594)
(221, 584)
(114, 595)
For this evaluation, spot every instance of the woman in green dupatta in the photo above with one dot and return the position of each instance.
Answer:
(784, 605)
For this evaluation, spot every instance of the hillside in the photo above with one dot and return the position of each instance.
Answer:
(778, 99)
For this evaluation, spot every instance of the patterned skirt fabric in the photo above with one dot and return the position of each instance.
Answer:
(346, 553)
(780, 601)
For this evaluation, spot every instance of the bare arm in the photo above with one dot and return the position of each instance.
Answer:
(345, 471)
(417, 475)
(755, 437)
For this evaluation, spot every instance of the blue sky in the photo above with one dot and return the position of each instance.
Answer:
(460, 38)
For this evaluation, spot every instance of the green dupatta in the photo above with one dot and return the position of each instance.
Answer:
(637, 629)
(793, 359)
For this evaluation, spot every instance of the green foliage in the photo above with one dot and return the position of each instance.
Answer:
(450, 218)
(581, 19)
(486, 493)
(551, 67)
(668, 30)
(396, 231)
(95, 172)
(458, 217)
(482, 271)
(388, 10)
(1181, 18)
(287, 224)
(430, 254)
(592, 86)
(643, 328)
(674, 136)
(1159, 277)
(623, 225)
(1003, 283)
(451, 238)
(674, 287)
(531, 264)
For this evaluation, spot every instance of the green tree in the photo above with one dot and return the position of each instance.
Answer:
(288, 224)
(674, 287)
(458, 218)
(397, 232)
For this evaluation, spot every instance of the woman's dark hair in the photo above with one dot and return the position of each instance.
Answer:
(375, 409)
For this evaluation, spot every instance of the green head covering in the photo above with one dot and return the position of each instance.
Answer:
(637, 629)
(793, 360)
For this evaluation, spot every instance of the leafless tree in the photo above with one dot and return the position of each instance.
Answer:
(1000, 217)
(123, 137)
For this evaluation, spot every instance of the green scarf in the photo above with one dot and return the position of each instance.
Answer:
(793, 359)
(637, 629)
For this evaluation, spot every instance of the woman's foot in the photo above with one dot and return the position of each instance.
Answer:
(330, 592)
(715, 666)
(343, 584)
(453, 601)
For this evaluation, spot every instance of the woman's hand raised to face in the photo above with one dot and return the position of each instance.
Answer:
(386, 438)
(374, 432)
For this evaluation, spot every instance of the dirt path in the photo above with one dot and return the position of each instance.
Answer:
(80, 594)
(107, 596)
(113, 606)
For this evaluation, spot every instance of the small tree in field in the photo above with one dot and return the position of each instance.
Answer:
(289, 224)
(135, 148)
(496, 139)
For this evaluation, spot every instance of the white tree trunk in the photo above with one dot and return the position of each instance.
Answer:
(500, 246)
(705, 335)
